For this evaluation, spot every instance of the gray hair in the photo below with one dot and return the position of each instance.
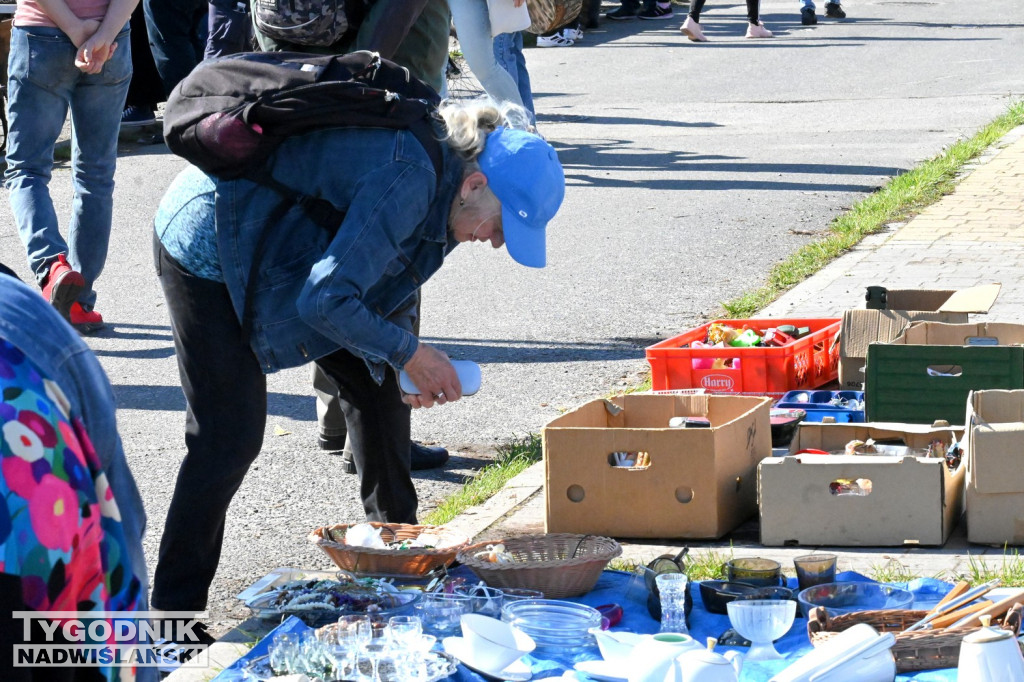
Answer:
(469, 121)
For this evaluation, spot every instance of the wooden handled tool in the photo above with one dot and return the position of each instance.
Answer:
(950, 618)
(957, 590)
(996, 610)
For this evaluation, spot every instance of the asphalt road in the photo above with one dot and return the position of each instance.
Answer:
(692, 169)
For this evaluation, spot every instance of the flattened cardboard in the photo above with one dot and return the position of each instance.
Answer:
(940, 334)
(860, 328)
(994, 447)
(913, 500)
(700, 483)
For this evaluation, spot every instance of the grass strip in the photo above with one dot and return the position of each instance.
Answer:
(899, 199)
(513, 458)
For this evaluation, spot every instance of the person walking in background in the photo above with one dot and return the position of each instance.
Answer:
(177, 37)
(145, 91)
(833, 10)
(229, 28)
(692, 29)
(508, 50)
(73, 55)
(473, 27)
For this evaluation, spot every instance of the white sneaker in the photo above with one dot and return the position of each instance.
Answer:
(758, 31)
(692, 30)
(556, 40)
(573, 34)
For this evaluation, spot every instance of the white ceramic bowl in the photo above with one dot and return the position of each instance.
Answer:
(494, 644)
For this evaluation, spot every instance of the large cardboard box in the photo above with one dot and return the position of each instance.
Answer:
(700, 482)
(995, 467)
(927, 371)
(892, 310)
(806, 499)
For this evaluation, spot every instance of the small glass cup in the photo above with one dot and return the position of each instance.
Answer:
(672, 590)
(484, 600)
(511, 594)
(282, 653)
(405, 631)
(815, 569)
(442, 613)
(754, 571)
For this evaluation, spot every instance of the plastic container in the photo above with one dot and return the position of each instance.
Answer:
(818, 405)
(808, 362)
(838, 598)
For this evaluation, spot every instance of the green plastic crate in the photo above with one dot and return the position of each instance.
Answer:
(898, 387)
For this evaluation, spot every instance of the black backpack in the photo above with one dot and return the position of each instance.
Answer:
(230, 114)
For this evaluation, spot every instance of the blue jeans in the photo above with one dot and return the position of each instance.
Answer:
(229, 28)
(43, 87)
(473, 25)
(508, 50)
(177, 36)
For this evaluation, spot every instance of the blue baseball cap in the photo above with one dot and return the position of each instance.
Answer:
(524, 173)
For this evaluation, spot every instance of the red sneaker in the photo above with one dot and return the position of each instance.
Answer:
(62, 286)
(85, 321)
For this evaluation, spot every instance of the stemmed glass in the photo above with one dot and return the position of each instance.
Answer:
(405, 633)
(356, 632)
(283, 651)
(762, 621)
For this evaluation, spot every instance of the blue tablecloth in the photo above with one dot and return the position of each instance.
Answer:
(628, 590)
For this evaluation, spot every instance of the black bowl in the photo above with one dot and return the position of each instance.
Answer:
(784, 423)
(717, 593)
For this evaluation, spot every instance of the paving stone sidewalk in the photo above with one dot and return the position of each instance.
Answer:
(973, 236)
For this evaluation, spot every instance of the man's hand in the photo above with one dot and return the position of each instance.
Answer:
(434, 375)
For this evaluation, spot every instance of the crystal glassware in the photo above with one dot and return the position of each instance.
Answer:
(762, 621)
(672, 590)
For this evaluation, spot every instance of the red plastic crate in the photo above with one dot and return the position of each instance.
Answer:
(805, 363)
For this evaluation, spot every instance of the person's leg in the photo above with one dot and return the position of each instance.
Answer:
(172, 28)
(96, 105)
(473, 25)
(754, 11)
(145, 90)
(695, 10)
(230, 28)
(755, 29)
(508, 51)
(425, 49)
(378, 432)
(38, 97)
(226, 395)
(329, 414)
(628, 10)
(807, 16)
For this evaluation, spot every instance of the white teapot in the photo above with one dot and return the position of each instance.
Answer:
(704, 665)
(990, 654)
(651, 659)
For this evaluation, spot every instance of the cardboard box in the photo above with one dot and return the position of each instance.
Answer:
(700, 482)
(893, 310)
(926, 373)
(994, 448)
(912, 500)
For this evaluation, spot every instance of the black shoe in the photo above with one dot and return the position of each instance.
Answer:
(187, 639)
(623, 13)
(334, 443)
(833, 10)
(423, 457)
(808, 17)
(656, 13)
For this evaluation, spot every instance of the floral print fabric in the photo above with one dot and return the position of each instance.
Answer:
(60, 529)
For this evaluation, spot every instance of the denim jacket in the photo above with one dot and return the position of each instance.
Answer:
(317, 291)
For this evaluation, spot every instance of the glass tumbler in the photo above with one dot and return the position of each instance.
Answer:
(672, 588)
(442, 613)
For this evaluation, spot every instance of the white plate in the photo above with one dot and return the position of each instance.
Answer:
(460, 649)
(605, 671)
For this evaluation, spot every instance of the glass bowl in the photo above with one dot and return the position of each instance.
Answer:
(762, 621)
(840, 598)
(553, 623)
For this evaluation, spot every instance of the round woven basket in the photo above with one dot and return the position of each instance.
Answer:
(913, 651)
(413, 562)
(558, 564)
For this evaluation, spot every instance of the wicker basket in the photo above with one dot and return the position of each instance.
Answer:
(913, 651)
(414, 562)
(558, 564)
